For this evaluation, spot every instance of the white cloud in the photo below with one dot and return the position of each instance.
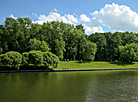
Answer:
(65, 20)
(91, 25)
(54, 16)
(84, 18)
(72, 18)
(118, 18)
(98, 29)
(13, 16)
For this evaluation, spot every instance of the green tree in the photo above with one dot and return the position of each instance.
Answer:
(81, 43)
(53, 36)
(12, 30)
(72, 44)
(129, 52)
(36, 31)
(59, 48)
(100, 41)
(43, 46)
(35, 44)
(90, 50)
(70, 39)
(128, 38)
(108, 47)
(81, 27)
(3, 40)
(116, 41)
(24, 26)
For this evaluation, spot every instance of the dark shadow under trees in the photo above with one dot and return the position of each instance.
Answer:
(122, 63)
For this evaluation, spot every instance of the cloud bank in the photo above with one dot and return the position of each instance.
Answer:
(112, 16)
(55, 16)
(118, 18)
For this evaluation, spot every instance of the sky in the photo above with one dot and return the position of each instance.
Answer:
(95, 15)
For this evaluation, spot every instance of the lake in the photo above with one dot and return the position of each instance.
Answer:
(93, 86)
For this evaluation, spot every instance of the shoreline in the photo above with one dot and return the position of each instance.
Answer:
(70, 70)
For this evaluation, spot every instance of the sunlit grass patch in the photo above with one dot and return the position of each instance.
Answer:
(95, 65)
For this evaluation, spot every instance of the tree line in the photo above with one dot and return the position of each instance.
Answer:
(66, 41)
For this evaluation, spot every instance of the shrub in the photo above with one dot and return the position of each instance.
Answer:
(36, 58)
(11, 59)
(25, 58)
(50, 59)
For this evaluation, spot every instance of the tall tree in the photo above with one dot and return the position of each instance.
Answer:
(128, 38)
(52, 34)
(81, 27)
(3, 40)
(108, 47)
(81, 43)
(35, 44)
(89, 51)
(24, 33)
(116, 42)
(70, 39)
(36, 31)
(100, 41)
(12, 29)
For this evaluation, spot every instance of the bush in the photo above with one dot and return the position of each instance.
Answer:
(46, 59)
(25, 58)
(55, 60)
(29, 60)
(36, 58)
(11, 59)
(4, 60)
(50, 59)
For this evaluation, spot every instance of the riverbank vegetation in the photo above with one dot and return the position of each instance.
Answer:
(33, 59)
(23, 43)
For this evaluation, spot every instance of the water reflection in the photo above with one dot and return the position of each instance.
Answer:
(69, 86)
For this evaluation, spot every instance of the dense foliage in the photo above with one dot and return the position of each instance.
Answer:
(50, 59)
(11, 59)
(54, 40)
(36, 58)
(129, 52)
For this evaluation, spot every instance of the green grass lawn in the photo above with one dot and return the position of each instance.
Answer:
(95, 65)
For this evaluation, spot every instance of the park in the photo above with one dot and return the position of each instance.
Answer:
(58, 62)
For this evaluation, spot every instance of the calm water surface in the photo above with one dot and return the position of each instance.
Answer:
(115, 86)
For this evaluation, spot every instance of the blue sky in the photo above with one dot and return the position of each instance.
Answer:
(95, 15)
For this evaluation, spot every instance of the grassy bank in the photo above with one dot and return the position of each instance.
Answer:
(95, 65)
